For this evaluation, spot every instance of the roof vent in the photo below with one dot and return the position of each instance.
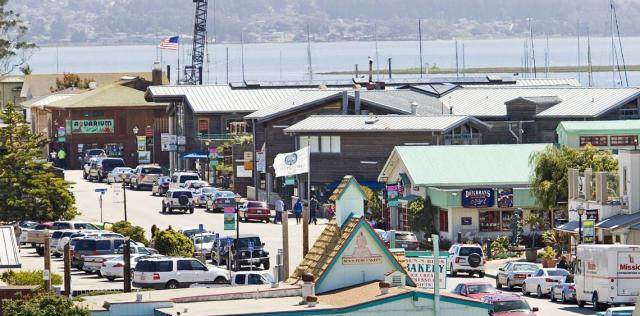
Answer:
(372, 119)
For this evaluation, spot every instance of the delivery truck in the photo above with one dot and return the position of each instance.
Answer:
(607, 275)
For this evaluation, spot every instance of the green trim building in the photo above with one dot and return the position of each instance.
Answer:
(602, 134)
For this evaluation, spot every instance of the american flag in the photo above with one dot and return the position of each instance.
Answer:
(169, 43)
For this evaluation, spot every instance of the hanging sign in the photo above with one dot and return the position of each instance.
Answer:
(148, 131)
(478, 198)
(229, 221)
(92, 127)
(592, 214)
(588, 230)
(261, 161)
(142, 143)
(392, 195)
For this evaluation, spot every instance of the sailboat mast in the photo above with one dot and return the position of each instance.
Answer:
(613, 46)
(578, 33)
(457, 69)
(589, 68)
(420, 41)
(546, 58)
(624, 64)
(309, 53)
(375, 36)
(533, 49)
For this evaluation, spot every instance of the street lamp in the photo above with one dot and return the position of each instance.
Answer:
(580, 212)
(124, 194)
(135, 131)
(236, 266)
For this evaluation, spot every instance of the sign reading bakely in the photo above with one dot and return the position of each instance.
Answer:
(422, 271)
(478, 198)
(92, 127)
(361, 253)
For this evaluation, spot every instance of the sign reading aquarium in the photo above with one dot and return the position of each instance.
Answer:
(92, 126)
(478, 198)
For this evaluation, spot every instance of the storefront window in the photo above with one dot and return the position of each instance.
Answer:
(114, 149)
(593, 140)
(489, 221)
(506, 220)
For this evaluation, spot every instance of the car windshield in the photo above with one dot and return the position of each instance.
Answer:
(525, 267)
(208, 190)
(190, 232)
(95, 152)
(203, 239)
(152, 170)
(257, 204)
(510, 306)
(85, 226)
(225, 194)
(406, 236)
(188, 177)
(465, 251)
(198, 184)
(112, 163)
(480, 288)
(56, 234)
(181, 193)
(557, 272)
(244, 242)
(266, 278)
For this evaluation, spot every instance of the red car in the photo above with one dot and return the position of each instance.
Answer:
(509, 305)
(255, 210)
(474, 290)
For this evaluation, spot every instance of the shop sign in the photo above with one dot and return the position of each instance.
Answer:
(392, 195)
(61, 131)
(181, 140)
(505, 198)
(478, 198)
(289, 180)
(92, 126)
(241, 172)
(422, 271)
(361, 253)
(248, 160)
(144, 156)
(203, 126)
(213, 163)
(466, 221)
(592, 214)
(142, 142)
(261, 161)
(588, 231)
(229, 221)
(148, 131)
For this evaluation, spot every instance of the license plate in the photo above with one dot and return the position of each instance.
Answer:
(259, 212)
(142, 277)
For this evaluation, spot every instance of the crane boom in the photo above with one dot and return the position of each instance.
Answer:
(193, 72)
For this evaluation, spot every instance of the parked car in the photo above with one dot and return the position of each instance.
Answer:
(77, 225)
(115, 175)
(194, 185)
(564, 291)
(514, 273)
(172, 273)
(93, 153)
(114, 267)
(251, 278)
(202, 195)
(145, 176)
(64, 239)
(179, 178)
(87, 166)
(161, 186)
(474, 290)
(55, 237)
(92, 264)
(178, 199)
(542, 280)
(259, 256)
(508, 304)
(190, 231)
(99, 168)
(203, 243)
(406, 240)
(37, 235)
(254, 210)
(21, 230)
(466, 258)
(93, 246)
(220, 199)
(617, 311)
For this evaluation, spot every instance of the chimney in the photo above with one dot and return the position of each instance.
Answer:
(370, 69)
(169, 73)
(356, 101)
(414, 108)
(345, 102)
(156, 74)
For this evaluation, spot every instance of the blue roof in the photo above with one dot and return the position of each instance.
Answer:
(571, 227)
(195, 155)
(373, 185)
(620, 220)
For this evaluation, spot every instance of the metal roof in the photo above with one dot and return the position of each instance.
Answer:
(571, 227)
(400, 101)
(547, 82)
(11, 79)
(297, 101)
(380, 123)
(587, 126)
(46, 100)
(619, 221)
(220, 99)
(466, 165)
(9, 255)
(118, 94)
(576, 102)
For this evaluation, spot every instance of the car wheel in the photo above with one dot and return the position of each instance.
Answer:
(563, 298)
(539, 292)
(552, 295)
(99, 274)
(111, 278)
(191, 210)
(84, 176)
(164, 208)
(173, 284)
(498, 284)
(453, 273)
(596, 306)
(581, 304)
(57, 255)
(220, 280)
(509, 285)
(524, 289)
(267, 221)
(481, 274)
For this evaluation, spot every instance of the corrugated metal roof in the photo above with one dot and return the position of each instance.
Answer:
(297, 101)
(11, 79)
(547, 82)
(467, 165)
(9, 255)
(622, 125)
(221, 99)
(380, 123)
(576, 102)
(619, 221)
(400, 101)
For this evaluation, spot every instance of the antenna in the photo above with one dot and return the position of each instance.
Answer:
(578, 33)
(227, 63)
(281, 64)
(464, 66)
(546, 58)
(309, 54)
(215, 42)
(420, 41)
(193, 72)
(589, 67)
(457, 69)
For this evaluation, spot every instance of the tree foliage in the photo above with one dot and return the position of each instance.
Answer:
(43, 305)
(136, 233)
(29, 191)
(549, 182)
(171, 243)
(423, 216)
(70, 80)
(34, 277)
(373, 203)
(14, 50)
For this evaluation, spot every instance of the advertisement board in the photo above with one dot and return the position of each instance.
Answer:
(141, 142)
(588, 231)
(392, 195)
(422, 271)
(505, 198)
(229, 221)
(261, 161)
(478, 198)
(144, 156)
(104, 126)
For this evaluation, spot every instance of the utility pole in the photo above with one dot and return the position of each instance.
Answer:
(67, 270)
(127, 265)
(47, 266)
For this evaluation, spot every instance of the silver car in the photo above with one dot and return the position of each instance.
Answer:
(115, 175)
(514, 274)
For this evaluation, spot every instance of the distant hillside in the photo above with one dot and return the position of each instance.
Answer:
(143, 21)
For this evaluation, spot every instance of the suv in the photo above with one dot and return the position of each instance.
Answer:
(93, 246)
(72, 225)
(466, 258)
(93, 153)
(179, 178)
(406, 240)
(178, 199)
(87, 166)
(259, 256)
(99, 168)
(145, 175)
(172, 273)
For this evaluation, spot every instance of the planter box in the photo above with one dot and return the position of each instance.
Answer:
(549, 263)
(531, 254)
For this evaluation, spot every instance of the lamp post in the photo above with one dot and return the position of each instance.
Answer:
(580, 212)
(124, 194)
(135, 131)
(236, 266)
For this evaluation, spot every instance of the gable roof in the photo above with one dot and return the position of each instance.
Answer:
(219, 99)
(118, 94)
(576, 101)
(474, 165)
(46, 99)
(381, 123)
(37, 85)
(346, 182)
(592, 126)
(296, 102)
(399, 101)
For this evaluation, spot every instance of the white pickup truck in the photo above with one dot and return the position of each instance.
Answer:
(251, 278)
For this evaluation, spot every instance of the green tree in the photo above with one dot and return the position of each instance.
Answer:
(171, 243)
(43, 305)
(422, 216)
(136, 233)
(373, 202)
(29, 191)
(549, 182)
(26, 70)
(14, 50)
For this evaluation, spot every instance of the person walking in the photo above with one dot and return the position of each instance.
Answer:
(279, 210)
(297, 209)
(54, 156)
(313, 211)
(563, 263)
(61, 158)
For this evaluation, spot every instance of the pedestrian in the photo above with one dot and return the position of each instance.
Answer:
(313, 210)
(154, 229)
(563, 263)
(170, 228)
(61, 158)
(331, 211)
(54, 156)
(279, 210)
(297, 209)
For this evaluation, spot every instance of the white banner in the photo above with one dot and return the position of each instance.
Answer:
(261, 161)
(117, 194)
(289, 164)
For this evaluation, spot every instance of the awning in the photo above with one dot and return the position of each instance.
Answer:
(409, 198)
(570, 227)
(619, 221)
(405, 180)
(195, 155)
(373, 185)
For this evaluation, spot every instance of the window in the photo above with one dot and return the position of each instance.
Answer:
(196, 265)
(164, 266)
(324, 144)
(489, 221)
(254, 279)
(240, 278)
(506, 220)
(310, 141)
(118, 242)
(623, 140)
(184, 265)
(103, 245)
(593, 140)
(444, 221)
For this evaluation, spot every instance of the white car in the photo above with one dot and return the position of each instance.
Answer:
(203, 243)
(175, 272)
(467, 258)
(251, 278)
(202, 195)
(617, 311)
(114, 268)
(115, 175)
(195, 185)
(178, 199)
(542, 280)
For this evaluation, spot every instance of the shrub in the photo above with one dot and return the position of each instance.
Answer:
(548, 253)
(136, 233)
(500, 245)
(43, 305)
(34, 277)
(171, 243)
(549, 238)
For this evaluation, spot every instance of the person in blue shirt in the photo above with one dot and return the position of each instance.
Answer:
(297, 209)
(279, 210)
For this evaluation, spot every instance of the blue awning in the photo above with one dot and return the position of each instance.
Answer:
(618, 221)
(570, 227)
(195, 155)
(373, 185)
(409, 198)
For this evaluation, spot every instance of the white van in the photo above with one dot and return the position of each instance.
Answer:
(179, 178)
(607, 275)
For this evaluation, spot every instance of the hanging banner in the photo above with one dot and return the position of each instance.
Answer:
(592, 214)
(422, 271)
(505, 198)
(588, 231)
(289, 164)
(229, 221)
(392, 195)
(92, 127)
(478, 198)
(142, 143)
(261, 161)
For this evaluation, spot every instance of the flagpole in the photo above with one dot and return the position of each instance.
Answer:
(178, 80)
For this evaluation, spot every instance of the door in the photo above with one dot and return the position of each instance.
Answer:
(502, 275)
(185, 275)
(200, 273)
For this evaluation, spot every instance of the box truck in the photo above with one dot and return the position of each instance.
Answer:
(607, 275)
